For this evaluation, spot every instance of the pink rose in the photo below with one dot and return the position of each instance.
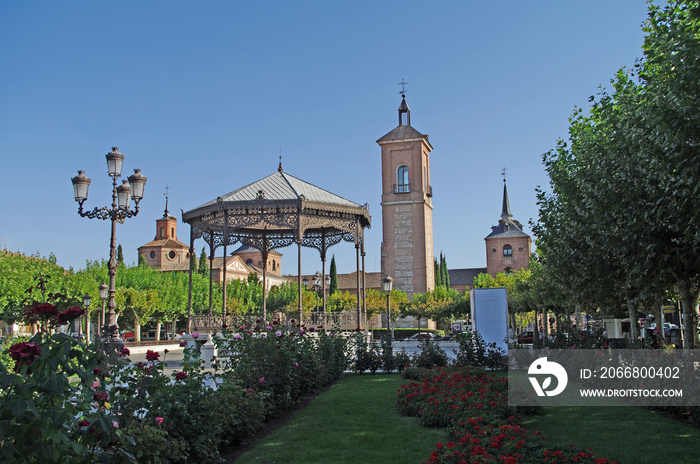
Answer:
(159, 420)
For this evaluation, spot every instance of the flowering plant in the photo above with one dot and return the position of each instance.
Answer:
(483, 428)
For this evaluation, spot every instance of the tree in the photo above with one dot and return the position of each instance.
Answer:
(620, 217)
(120, 255)
(445, 272)
(203, 268)
(334, 278)
(141, 260)
(438, 274)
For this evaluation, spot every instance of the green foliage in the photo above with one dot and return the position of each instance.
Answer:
(620, 220)
(474, 351)
(281, 362)
(203, 268)
(120, 255)
(334, 277)
(431, 355)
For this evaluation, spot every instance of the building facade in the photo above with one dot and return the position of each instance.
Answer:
(407, 208)
(507, 246)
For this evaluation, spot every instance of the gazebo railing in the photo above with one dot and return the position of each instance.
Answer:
(343, 321)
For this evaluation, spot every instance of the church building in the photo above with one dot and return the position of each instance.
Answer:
(166, 253)
(407, 208)
(507, 246)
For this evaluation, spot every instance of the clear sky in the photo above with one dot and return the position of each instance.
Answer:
(202, 96)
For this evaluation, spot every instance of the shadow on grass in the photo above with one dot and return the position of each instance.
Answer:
(354, 421)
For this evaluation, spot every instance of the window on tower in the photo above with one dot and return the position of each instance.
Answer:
(402, 185)
(507, 250)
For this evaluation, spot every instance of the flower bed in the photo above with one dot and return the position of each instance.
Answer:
(64, 401)
(483, 428)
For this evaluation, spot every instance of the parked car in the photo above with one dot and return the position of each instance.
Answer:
(420, 337)
(526, 337)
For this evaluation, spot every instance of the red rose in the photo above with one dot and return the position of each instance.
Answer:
(181, 375)
(124, 352)
(69, 314)
(100, 396)
(152, 355)
(24, 354)
(44, 310)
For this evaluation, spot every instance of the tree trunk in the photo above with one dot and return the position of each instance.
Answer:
(137, 330)
(689, 299)
(632, 314)
(659, 317)
(158, 324)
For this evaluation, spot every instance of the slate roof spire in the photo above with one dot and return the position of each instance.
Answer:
(506, 215)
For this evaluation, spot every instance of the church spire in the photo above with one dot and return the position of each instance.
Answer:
(506, 215)
(404, 111)
(167, 212)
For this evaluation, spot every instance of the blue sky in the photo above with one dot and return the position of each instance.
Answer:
(202, 96)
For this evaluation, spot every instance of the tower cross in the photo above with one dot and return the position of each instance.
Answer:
(503, 173)
(403, 87)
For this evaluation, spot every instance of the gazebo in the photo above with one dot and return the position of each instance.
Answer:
(275, 212)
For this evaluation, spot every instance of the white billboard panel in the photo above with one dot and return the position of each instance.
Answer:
(490, 315)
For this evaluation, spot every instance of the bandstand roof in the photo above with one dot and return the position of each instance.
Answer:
(282, 208)
(281, 186)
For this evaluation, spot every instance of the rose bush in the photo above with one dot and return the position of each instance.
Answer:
(483, 428)
(65, 401)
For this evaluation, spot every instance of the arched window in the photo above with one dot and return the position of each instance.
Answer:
(507, 250)
(508, 270)
(274, 265)
(249, 262)
(402, 185)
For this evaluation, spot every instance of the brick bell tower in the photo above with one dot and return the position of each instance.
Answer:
(407, 208)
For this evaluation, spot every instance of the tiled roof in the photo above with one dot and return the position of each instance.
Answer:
(402, 132)
(506, 231)
(247, 249)
(282, 186)
(372, 280)
(165, 243)
(464, 276)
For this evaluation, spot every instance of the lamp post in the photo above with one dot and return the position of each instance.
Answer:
(117, 213)
(387, 282)
(86, 303)
(326, 289)
(317, 285)
(104, 293)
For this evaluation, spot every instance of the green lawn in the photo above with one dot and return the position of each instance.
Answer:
(626, 434)
(355, 421)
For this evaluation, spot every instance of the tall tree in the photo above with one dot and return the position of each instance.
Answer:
(120, 255)
(334, 277)
(445, 271)
(436, 272)
(203, 268)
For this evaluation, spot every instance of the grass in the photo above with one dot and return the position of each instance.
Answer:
(355, 421)
(626, 434)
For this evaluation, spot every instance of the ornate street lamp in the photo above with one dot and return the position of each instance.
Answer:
(131, 189)
(317, 286)
(326, 289)
(104, 293)
(387, 283)
(86, 303)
